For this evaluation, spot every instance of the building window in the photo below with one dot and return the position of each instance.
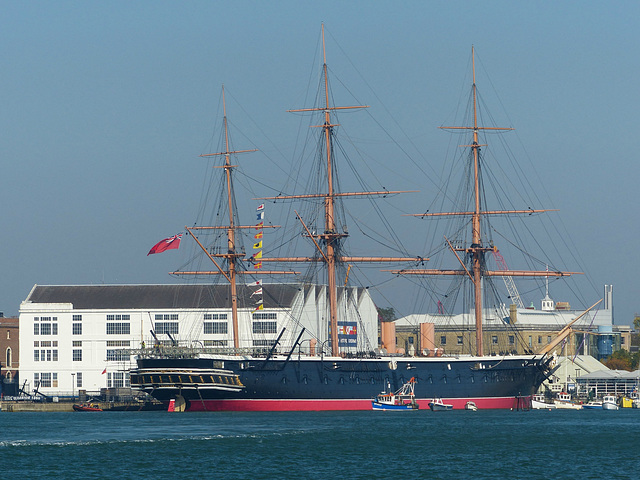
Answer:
(459, 339)
(213, 328)
(265, 327)
(494, 339)
(54, 380)
(172, 316)
(45, 380)
(79, 380)
(36, 355)
(530, 344)
(167, 327)
(549, 339)
(118, 343)
(36, 380)
(117, 356)
(215, 316)
(118, 328)
(8, 334)
(112, 318)
(8, 357)
(410, 340)
(265, 316)
(539, 338)
(443, 340)
(117, 380)
(76, 329)
(48, 328)
(77, 356)
(77, 318)
(77, 343)
(512, 339)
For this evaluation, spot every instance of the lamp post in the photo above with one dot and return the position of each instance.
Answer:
(73, 387)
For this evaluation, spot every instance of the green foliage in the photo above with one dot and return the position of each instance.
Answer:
(386, 314)
(622, 360)
(636, 322)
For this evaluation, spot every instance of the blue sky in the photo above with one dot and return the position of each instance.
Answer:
(106, 107)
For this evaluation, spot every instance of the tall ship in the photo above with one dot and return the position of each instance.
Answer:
(327, 354)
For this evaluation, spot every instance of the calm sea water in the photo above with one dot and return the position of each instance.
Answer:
(322, 445)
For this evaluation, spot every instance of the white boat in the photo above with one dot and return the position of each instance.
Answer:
(438, 405)
(563, 401)
(471, 406)
(538, 403)
(403, 399)
(609, 403)
(593, 405)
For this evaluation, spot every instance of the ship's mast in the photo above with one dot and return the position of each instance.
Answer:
(232, 255)
(331, 237)
(477, 250)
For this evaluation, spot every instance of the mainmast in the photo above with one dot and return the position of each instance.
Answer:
(331, 238)
(476, 251)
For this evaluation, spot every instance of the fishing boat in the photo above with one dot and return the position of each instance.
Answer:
(337, 365)
(538, 402)
(609, 403)
(437, 405)
(564, 401)
(403, 399)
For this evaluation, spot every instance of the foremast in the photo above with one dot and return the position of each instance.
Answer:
(331, 239)
(476, 251)
(232, 256)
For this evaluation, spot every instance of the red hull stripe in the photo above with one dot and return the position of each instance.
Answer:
(359, 404)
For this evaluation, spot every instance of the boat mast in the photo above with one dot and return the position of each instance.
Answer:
(331, 237)
(231, 239)
(476, 246)
(477, 250)
(232, 255)
(330, 226)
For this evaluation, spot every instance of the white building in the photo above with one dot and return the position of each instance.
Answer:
(550, 315)
(71, 337)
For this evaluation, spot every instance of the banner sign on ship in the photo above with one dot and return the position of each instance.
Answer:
(347, 334)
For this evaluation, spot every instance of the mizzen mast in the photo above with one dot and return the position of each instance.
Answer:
(476, 251)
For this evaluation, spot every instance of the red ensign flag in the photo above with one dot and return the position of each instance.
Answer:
(166, 244)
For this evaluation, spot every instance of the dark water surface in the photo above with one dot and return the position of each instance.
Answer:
(490, 444)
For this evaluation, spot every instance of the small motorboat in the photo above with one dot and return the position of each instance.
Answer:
(438, 405)
(403, 399)
(609, 403)
(471, 406)
(592, 405)
(86, 407)
(538, 403)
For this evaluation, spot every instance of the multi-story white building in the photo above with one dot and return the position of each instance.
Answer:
(73, 337)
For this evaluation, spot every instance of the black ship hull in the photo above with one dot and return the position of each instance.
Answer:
(316, 383)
